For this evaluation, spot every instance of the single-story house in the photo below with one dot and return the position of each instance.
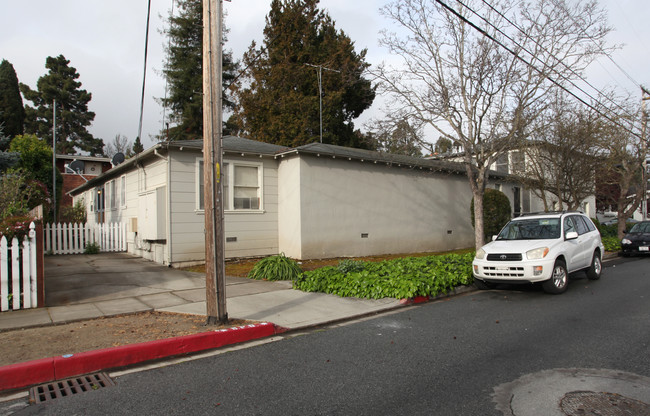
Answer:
(312, 201)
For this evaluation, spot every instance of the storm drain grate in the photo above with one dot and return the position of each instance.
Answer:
(68, 387)
(579, 403)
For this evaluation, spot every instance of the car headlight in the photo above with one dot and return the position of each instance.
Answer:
(536, 254)
(480, 254)
(625, 241)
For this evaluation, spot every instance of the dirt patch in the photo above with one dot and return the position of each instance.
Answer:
(51, 341)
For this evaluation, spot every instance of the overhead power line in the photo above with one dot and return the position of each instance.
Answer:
(584, 32)
(517, 56)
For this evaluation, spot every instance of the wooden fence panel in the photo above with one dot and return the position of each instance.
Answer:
(74, 238)
(19, 272)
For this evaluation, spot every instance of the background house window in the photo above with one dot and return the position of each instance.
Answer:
(123, 191)
(112, 194)
(502, 163)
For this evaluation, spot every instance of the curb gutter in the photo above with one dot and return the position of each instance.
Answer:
(34, 372)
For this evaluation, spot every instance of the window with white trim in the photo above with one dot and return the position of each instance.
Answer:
(123, 191)
(112, 194)
(242, 186)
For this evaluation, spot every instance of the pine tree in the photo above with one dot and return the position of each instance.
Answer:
(72, 115)
(7, 159)
(184, 72)
(280, 104)
(12, 112)
(137, 146)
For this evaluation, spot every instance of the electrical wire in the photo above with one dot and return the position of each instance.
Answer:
(584, 32)
(144, 75)
(517, 56)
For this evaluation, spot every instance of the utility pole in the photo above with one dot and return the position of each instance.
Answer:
(215, 269)
(54, 157)
(645, 96)
(320, 93)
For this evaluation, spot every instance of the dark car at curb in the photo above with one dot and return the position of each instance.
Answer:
(637, 240)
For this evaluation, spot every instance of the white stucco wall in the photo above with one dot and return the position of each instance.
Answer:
(401, 210)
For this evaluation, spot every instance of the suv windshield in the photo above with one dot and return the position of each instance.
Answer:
(531, 229)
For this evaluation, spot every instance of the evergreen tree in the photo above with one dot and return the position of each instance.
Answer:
(137, 146)
(280, 104)
(72, 115)
(12, 112)
(36, 161)
(184, 72)
(7, 158)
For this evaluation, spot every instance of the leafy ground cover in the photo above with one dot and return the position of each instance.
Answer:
(399, 278)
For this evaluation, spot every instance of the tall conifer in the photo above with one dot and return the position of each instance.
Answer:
(12, 112)
(72, 115)
(184, 72)
(279, 102)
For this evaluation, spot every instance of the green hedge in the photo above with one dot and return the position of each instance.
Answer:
(400, 278)
(611, 243)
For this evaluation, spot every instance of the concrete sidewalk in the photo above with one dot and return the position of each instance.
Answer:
(82, 287)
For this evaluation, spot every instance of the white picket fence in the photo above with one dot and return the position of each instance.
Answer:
(18, 275)
(73, 238)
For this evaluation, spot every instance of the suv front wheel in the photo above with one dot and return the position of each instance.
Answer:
(559, 279)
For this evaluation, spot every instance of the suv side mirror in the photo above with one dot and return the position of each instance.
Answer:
(494, 237)
(571, 235)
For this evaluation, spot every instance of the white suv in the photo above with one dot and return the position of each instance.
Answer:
(540, 248)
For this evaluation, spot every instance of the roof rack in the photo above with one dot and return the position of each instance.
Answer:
(550, 212)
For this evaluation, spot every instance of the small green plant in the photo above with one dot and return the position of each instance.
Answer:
(92, 248)
(277, 267)
(350, 266)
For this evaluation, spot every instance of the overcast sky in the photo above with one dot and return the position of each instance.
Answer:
(104, 41)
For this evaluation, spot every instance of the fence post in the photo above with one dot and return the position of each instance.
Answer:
(15, 274)
(27, 298)
(40, 267)
(4, 275)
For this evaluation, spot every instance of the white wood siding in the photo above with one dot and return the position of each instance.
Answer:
(400, 210)
(256, 233)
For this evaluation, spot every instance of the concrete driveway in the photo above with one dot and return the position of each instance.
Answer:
(89, 286)
(79, 278)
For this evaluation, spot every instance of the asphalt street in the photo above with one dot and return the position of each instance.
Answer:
(449, 357)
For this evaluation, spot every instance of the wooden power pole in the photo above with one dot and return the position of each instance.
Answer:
(215, 270)
(645, 96)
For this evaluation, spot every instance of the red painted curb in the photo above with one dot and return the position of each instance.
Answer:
(417, 299)
(49, 369)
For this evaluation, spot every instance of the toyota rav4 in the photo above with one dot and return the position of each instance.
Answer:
(540, 248)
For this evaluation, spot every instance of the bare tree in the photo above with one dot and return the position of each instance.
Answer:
(564, 154)
(467, 85)
(397, 137)
(622, 168)
(119, 144)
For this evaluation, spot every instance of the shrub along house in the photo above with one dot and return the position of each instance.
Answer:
(313, 201)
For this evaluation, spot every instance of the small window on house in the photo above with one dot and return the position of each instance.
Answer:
(246, 189)
(518, 160)
(123, 191)
(502, 164)
(199, 185)
(112, 194)
(242, 186)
